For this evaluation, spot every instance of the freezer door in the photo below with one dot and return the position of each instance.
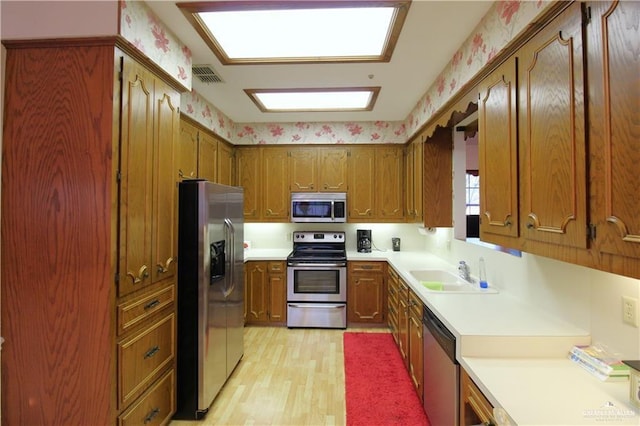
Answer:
(235, 290)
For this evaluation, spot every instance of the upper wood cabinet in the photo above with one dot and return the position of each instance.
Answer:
(187, 151)
(204, 155)
(263, 173)
(207, 157)
(552, 132)
(375, 184)
(498, 153)
(437, 179)
(413, 169)
(318, 169)
(150, 128)
(614, 114)
(226, 161)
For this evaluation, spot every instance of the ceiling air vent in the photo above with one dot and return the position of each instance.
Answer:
(206, 74)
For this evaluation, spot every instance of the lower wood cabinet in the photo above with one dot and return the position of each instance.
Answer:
(392, 302)
(416, 349)
(366, 292)
(265, 292)
(475, 408)
(156, 405)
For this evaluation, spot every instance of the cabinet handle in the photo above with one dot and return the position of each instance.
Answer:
(180, 173)
(508, 222)
(151, 352)
(164, 268)
(151, 304)
(142, 274)
(530, 225)
(152, 414)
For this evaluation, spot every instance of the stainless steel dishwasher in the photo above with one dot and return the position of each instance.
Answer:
(441, 372)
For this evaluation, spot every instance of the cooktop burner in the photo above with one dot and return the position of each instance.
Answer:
(318, 247)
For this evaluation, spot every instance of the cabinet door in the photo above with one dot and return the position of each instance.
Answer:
(303, 169)
(415, 344)
(365, 292)
(187, 152)
(552, 133)
(409, 189)
(437, 180)
(275, 188)
(403, 322)
(389, 199)
(207, 157)
(136, 156)
(418, 169)
(361, 195)
(225, 164)
(498, 153)
(164, 220)
(249, 173)
(614, 66)
(332, 169)
(277, 292)
(257, 294)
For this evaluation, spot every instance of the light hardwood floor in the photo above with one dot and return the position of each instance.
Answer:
(286, 377)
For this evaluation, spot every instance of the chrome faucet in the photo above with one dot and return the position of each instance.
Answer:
(464, 272)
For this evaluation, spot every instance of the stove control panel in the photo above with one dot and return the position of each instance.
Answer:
(319, 237)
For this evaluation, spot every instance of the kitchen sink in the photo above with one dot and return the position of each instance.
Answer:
(439, 281)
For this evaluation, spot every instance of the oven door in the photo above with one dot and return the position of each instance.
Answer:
(316, 282)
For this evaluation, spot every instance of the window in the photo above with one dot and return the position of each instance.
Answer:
(472, 190)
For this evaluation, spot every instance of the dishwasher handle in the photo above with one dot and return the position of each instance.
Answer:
(440, 333)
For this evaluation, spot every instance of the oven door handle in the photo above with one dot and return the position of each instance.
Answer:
(318, 305)
(317, 265)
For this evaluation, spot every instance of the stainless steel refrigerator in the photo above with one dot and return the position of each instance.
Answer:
(210, 292)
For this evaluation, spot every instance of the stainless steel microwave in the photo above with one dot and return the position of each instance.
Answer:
(319, 207)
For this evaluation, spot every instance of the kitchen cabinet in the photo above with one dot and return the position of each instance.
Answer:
(475, 408)
(187, 151)
(207, 157)
(413, 167)
(403, 321)
(437, 179)
(498, 154)
(553, 178)
(263, 173)
(226, 164)
(266, 292)
(375, 184)
(202, 154)
(365, 292)
(614, 151)
(392, 302)
(94, 140)
(416, 348)
(318, 169)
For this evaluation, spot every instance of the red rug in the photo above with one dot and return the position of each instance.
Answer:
(378, 388)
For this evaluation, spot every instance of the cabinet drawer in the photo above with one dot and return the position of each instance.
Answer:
(142, 357)
(154, 408)
(415, 303)
(366, 266)
(276, 267)
(134, 311)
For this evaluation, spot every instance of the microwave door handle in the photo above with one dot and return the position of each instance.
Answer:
(333, 211)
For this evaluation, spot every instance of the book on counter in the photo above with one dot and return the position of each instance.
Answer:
(599, 362)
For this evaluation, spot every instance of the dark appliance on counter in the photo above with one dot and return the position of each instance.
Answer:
(364, 240)
(317, 280)
(210, 293)
(441, 371)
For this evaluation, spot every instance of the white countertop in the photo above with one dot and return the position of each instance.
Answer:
(516, 353)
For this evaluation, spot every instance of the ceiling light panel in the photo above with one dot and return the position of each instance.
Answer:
(242, 32)
(339, 99)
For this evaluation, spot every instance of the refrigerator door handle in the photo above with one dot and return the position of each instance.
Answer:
(230, 247)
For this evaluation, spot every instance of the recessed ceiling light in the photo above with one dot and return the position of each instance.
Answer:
(325, 99)
(241, 32)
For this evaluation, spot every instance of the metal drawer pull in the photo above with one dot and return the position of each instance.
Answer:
(151, 352)
(151, 304)
(152, 414)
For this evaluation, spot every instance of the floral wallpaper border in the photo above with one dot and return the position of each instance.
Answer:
(504, 21)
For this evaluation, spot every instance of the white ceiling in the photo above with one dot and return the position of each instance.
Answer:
(431, 34)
